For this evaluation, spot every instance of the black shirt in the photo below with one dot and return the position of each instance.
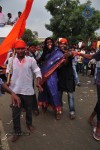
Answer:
(96, 56)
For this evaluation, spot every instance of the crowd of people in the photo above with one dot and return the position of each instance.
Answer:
(7, 20)
(56, 65)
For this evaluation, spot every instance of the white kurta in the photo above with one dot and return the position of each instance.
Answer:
(22, 75)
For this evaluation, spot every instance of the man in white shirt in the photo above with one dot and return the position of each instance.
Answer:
(21, 83)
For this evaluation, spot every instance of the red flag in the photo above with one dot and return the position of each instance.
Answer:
(15, 33)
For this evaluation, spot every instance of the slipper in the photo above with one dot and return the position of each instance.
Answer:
(72, 115)
(94, 129)
(96, 137)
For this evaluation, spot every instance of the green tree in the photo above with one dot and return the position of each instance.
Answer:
(29, 38)
(67, 20)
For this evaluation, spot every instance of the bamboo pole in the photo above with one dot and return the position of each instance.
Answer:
(10, 70)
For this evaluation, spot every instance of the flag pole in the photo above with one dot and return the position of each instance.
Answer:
(10, 70)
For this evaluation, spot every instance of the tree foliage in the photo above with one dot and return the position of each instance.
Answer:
(67, 20)
(29, 38)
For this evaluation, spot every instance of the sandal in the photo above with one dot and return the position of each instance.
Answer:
(36, 112)
(96, 136)
(94, 129)
(44, 109)
(58, 116)
(31, 128)
(72, 115)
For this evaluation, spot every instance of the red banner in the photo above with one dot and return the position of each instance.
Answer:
(15, 33)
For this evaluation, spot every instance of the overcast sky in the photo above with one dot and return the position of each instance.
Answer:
(38, 16)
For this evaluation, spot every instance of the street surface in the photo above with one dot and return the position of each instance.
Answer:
(50, 134)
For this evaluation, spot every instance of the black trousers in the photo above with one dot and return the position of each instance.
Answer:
(97, 107)
(26, 102)
(35, 105)
(92, 69)
(83, 70)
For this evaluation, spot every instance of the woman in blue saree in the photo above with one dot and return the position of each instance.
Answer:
(50, 95)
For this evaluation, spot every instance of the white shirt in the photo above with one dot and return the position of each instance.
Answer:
(97, 64)
(2, 18)
(22, 75)
(82, 51)
(80, 44)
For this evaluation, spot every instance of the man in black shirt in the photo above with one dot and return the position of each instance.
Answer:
(66, 81)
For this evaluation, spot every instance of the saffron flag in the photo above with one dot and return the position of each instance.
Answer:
(15, 33)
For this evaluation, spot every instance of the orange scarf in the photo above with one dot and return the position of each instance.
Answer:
(15, 33)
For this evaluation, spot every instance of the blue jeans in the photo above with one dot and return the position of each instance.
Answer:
(95, 75)
(75, 74)
(70, 100)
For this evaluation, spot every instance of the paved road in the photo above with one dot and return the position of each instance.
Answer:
(51, 134)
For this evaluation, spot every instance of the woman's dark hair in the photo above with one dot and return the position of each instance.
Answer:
(45, 43)
(45, 48)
